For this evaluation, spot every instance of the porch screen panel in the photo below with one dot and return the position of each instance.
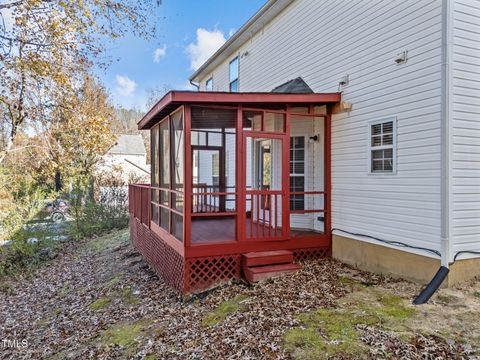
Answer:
(214, 146)
(164, 167)
(178, 173)
(154, 174)
(307, 175)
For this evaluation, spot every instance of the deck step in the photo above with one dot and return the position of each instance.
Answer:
(258, 273)
(267, 258)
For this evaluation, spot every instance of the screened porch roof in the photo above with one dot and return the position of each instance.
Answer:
(174, 99)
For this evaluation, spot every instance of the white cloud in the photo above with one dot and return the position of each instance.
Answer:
(159, 53)
(231, 32)
(205, 45)
(125, 86)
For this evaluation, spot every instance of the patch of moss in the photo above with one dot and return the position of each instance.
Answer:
(124, 334)
(224, 309)
(332, 332)
(100, 303)
(150, 357)
(114, 281)
(392, 307)
(128, 297)
(477, 294)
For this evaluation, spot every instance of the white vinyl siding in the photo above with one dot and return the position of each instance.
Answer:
(466, 126)
(321, 41)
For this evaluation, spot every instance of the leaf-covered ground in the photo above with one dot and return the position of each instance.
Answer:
(98, 299)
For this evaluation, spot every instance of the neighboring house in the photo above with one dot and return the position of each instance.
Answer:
(129, 156)
(361, 119)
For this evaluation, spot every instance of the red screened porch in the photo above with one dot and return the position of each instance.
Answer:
(232, 173)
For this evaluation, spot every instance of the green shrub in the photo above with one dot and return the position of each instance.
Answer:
(97, 218)
(29, 247)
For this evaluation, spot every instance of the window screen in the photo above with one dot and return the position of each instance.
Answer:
(382, 152)
(297, 172)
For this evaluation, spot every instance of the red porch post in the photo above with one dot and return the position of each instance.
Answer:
(187, 181)
(240, 177)
(286, 174)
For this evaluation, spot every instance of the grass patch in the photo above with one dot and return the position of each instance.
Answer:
(124, 334)
(109, 241)
(129, 335)
(332, 332)
(100, 303)
(128, 297)
(114, 281)
(447, 298)
(224, 309)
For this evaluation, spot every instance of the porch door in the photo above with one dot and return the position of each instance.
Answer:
(208, 178)
(266, 179)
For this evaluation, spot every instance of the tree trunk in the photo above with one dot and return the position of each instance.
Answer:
(58, 181)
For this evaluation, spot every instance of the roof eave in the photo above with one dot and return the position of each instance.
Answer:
(178, 98)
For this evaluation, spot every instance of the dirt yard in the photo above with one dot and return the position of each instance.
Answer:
(98, 299)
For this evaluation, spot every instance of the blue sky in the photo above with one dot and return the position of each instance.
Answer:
(188, 31)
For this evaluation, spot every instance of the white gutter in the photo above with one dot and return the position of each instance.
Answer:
(446, 132)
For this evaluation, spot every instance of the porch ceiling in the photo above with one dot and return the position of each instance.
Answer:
(173, 99)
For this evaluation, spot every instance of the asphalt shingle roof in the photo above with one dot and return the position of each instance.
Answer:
(295, 86)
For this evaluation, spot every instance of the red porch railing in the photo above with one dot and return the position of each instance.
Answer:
(264, 218)
(139, 202)
(207, 200)
(306, 211)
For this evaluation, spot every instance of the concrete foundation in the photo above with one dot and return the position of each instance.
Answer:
(398, 263)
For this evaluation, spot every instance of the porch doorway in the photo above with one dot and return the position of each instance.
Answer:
(265, 197)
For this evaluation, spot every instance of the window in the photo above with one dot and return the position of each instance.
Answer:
(234, 75)
(382, 149)
(209, 84)
(297, 172)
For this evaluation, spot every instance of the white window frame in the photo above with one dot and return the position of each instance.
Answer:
(237, 79)
(210, 79)
(371, 148)
(305, 169)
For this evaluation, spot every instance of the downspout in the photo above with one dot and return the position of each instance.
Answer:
(195, 85)
(446, 143)
(446, 152)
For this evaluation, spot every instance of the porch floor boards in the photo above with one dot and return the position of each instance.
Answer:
(205, 231)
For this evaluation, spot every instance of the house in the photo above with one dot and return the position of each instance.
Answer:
(129, 156)
(321, 128)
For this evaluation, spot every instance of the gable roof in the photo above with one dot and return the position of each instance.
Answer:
(295, 86)
(263, 16)
(128, 145)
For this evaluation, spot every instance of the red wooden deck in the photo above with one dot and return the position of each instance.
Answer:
(219, 230)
